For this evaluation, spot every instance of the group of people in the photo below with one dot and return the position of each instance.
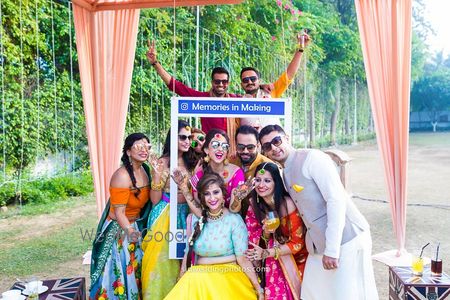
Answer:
(263, 220)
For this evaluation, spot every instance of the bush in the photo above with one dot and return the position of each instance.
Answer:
(47, 190)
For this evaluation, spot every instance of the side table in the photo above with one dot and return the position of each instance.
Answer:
(403, 285)
(66, 288)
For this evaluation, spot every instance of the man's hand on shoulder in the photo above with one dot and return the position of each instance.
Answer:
(330, 263)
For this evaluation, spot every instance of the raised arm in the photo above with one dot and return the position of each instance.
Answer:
(303, 41)
(151, 56)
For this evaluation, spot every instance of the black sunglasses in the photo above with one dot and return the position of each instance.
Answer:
(242, 147)
(250, 78)
(184, 137)
(216, 144)
(220, 81)
(276, 141)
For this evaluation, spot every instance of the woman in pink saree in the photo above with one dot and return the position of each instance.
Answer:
(281, 253)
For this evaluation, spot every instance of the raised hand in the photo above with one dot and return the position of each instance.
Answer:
(180, 178)
(155, 163)
(151, 53)
(242, 190)
(303, 39)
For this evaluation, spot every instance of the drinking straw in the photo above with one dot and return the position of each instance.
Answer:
(437, 250)
(421, 252)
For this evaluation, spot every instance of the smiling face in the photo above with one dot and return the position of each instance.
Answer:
(183, 139)
(219, 84)
(213, 197)
(264, 184)
(250, 82)
(217, 149)
(199, 139)
(275, 146)
(246, 148)
(140, 150)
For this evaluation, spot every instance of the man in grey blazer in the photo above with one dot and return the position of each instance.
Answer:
(339, 264)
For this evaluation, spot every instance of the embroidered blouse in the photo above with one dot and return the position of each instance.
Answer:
(223, 237)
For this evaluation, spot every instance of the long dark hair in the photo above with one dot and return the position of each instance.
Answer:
(203, 184)
(129, 141)
(260, 206)
(187, 156)
(208, 138)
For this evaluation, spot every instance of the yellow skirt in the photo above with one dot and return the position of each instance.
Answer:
(213, 282)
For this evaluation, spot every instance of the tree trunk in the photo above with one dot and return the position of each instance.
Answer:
(337, 105)
(312, 123)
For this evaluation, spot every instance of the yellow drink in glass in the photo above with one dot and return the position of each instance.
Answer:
(417, 266)
(272, 224)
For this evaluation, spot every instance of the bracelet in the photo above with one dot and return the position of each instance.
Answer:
(157, 186)
(277, 252)
(154, 63)
(300, 50)
(127, 228)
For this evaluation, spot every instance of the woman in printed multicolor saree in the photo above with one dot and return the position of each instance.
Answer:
(116, 253)
(281, 252)
(159, 273)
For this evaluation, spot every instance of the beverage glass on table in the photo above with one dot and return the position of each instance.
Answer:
(436, 267)
(417, 265)
(272, 222)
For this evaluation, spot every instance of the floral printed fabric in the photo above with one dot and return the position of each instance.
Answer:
(277, 286)
(121, 275)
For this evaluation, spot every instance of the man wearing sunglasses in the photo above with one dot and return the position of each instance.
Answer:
(338, 236)
(247, 149)
(250, 82)
(219, 88)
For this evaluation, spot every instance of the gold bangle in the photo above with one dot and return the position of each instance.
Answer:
(277, 252)
(157, 186)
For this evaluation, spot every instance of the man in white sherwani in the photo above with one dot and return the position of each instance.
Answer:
(339, 264)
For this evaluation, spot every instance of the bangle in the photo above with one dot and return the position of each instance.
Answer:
(300, 50)
(154, 63)
(277, 252)
(157, 186)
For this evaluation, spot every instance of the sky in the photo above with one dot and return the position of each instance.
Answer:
(437, 13)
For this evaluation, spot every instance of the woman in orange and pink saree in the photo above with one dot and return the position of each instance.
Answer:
(276, 235)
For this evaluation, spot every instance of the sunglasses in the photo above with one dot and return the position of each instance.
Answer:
(242, 147)
(216, 144)
(250, 78)
(276, 141)
(220, 81)
(183, 137)
(142, 147)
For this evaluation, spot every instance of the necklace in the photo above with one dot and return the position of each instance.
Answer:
(225, 174)
(215, 216)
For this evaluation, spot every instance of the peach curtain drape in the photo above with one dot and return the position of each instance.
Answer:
(385, 30)
(106, 43)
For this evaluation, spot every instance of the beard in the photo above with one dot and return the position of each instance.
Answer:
(247, 159)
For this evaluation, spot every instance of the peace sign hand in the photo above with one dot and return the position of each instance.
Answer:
(151, 53)
(155, 163)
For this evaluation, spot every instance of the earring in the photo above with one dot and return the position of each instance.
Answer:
(129, 158)
(226, 161)
(206, 159)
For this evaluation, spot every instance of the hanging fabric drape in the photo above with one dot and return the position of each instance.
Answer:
(106, 43)
(385, 30)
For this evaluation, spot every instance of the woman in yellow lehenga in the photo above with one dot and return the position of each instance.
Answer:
(159, 273)
(219, 242)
